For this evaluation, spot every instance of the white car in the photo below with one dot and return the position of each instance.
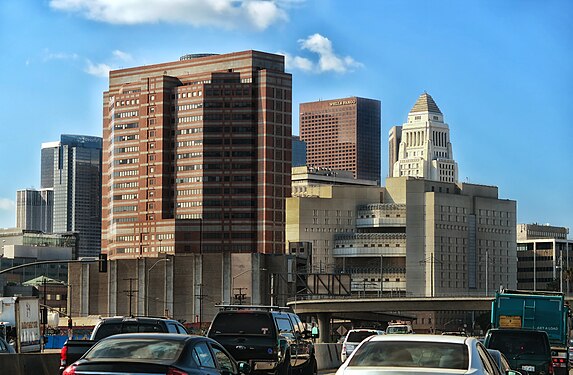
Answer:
(420, 354)
(354, 338)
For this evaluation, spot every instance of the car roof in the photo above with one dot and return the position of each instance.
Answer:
(365, 330)
(423, 338)
(135, 318)
(158, 335)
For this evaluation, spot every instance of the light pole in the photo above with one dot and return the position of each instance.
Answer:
(147, 283)
(241, 274)
(432, 260)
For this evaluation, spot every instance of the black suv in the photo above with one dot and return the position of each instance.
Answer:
(527, 350)
(271, 339)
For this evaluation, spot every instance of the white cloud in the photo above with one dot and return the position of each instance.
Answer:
(98, 70)
(297, 62)
(221, 13)
(59, 56)
(7, 204)
(123, 56)
(327, 59)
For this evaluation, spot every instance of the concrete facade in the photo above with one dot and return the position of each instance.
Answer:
(544, 258)
(414, 237)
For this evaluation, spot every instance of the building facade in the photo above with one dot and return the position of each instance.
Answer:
(72, 168)
(421, 147)
(197, 156)
(298, 152)
(34, 209)
(343, 134)
(544, 258)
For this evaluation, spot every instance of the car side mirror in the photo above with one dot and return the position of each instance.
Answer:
(515, 372)
(244, 368)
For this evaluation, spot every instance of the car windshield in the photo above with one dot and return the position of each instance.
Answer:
(411, 354)
(108, 329)
(515, 344)
(358, 336)
(147, 349)
(244, 324)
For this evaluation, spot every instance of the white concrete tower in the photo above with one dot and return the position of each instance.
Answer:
(425, 150)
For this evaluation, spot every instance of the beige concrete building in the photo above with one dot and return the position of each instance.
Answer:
(416, 236)
(544, 258)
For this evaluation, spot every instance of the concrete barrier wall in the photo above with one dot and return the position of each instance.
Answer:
(327, 356)
(30, 364)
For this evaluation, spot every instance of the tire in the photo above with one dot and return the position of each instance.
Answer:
(311, 368)
(285, 368)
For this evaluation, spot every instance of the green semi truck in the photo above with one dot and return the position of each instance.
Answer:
(539, 311)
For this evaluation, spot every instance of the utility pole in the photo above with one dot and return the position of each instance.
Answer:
(200, 297)
(240, 296)
(130, 292)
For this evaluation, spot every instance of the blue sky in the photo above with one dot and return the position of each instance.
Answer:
(500, 71)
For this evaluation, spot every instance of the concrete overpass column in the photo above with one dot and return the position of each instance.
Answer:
(323, 327)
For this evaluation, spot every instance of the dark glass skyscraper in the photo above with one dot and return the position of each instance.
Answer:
(72, 168)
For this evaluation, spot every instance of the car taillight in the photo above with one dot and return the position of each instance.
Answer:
(70, 370)
(64, 356)
(343, 348)
(174, 371)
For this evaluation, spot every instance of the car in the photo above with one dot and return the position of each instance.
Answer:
(74, 349)
(525, 349)
(157, 353)
(420, 354)
(500, 360)
(353, 338)
(5, 347)
(272, 339)
(399, 328)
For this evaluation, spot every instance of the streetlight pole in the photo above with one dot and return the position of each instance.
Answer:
(147, 283)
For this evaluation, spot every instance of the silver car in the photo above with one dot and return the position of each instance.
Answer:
(421, 354)
(354, 338)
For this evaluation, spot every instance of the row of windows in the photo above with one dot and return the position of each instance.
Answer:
(316, 212)
(189, 119)
(190, 155)
(125, 185)
(120, 150)
(126, 102)
(188, 179)
(189, 131)
(125, 238)
(131, 172)
(122, 138)
(126, 114)
(190, 192)
(193, 167)
(126, 161)
(188, 216)
(187, 107)
(124, 208)
(189, 94)
(131, 125)
(124, 197)
(189, 204)
(190, 143)
(124, 220)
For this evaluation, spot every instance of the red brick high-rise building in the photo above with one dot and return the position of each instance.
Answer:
(197, 156)
(343, 134)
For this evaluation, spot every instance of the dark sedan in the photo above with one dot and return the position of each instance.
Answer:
(157, 353)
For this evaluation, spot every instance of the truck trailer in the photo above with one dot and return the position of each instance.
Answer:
(20, 322)
(541, 311)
